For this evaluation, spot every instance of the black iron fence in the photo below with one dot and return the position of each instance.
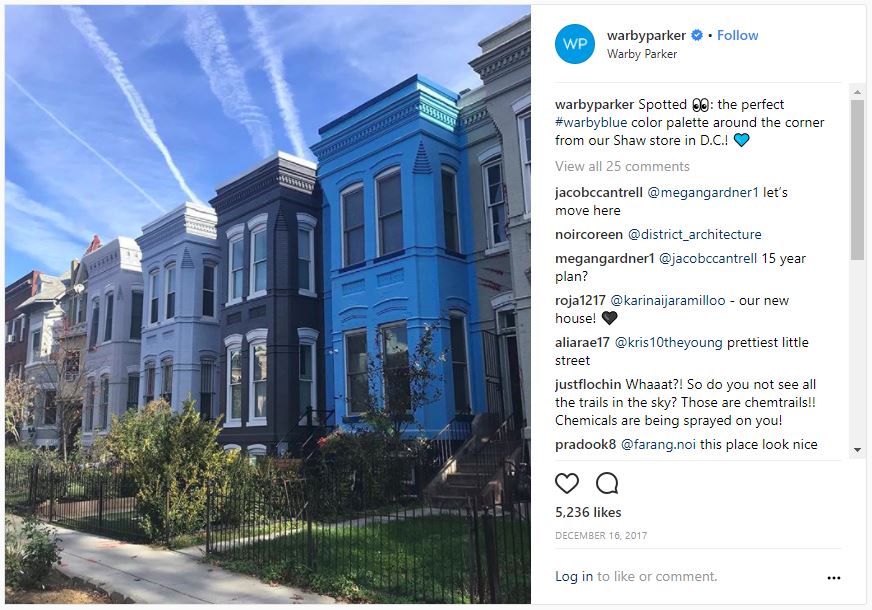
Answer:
(98, 500)
(336, 534)
(414, 552)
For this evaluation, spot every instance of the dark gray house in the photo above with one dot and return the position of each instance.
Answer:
(271, 321)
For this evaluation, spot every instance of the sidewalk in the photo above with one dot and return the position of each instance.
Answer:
(149, 575)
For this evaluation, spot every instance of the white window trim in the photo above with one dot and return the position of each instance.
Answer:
(488, 154)
(231, 342)
(258, 449)
(151, 284)
(307, 222)
(493, 248)
(232, 447)
(345, 336)
(381, 176)
(255, 338)
(453, 172)
(521, 104)
(258, 229)
(526, 165)
(231, 300)
(235, 231)
(171, 267)
(309, 336)
(456, 313)
(105, 313)
(357, 186)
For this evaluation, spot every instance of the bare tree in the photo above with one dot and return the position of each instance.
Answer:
(20, 395)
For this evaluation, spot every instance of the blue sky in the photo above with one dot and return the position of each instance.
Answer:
(116, 114)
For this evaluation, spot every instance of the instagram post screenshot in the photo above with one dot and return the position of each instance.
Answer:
(291, 315)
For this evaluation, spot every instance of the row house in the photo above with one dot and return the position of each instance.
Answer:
(42, 311)
(113, 302)
(395, 181)
(495, 119)
(16, 322)
(181, 267)
(271, 319)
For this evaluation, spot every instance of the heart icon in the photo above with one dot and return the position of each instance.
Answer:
(741, 138)
(566, 482)
(610, 316)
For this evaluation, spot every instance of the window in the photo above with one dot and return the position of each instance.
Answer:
(257, 391)
(132, 391)
(81, 304)
(449, 210)
(307, 369)
(104, 402)
(95, 323)
(149, 382)
(136, 315)
(10, 331)
(209, 291)
(155, 296)
(237, 263)
(207, 388)
(306, 260)
(395, 352)
(234, 367)
(71, 366)
(352, 226)
(495, 201)
(526, 150)
(390, 213)
(356, 382)
(166, 380)
(50, 409)
(107, 328)
(35, 345)
(258, 262)
(171, 292)
(21, 323)
(459, 366)
(88, 416)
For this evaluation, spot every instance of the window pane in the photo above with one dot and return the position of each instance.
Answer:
(353, 209)
(259, 362)
(526, 123)
(354, 252)
(260, 246)
(95, 324)
(237, 284)
(259, 276)
(449, 211)
(208, 277)
(136, 316)
(303, 244)
(235, 367)
(110, 305)
(171, 305)
(389, 195)
(391, 233)
(303, 273)
(305, 395)
(356, 353)
(358, 390)
(498, 217)
(395, 346)
(306, 362)
(458, 340)
(236, 402)
(260, 399)
(237, 256)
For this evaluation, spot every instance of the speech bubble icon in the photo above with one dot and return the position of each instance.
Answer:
(607, 483)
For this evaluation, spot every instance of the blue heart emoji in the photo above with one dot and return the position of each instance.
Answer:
(741, 138)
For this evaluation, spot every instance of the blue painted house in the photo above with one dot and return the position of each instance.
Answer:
(398, 236)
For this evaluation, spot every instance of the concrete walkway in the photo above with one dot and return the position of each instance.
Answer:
(144, 574)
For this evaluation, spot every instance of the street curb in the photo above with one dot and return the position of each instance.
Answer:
(116, 597)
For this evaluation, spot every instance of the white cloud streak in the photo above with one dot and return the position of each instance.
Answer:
(81, 141)
(275, 68)
(80, 20)
(40, 232)
(206, 38)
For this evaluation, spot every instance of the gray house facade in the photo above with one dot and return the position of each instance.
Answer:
(496, 120)
(112, 347)
(271, 320)
(180, 336)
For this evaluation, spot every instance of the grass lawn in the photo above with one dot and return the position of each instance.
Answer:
(425, 559)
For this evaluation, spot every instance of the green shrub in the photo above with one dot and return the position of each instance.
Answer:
(172, 458)
(31, 552)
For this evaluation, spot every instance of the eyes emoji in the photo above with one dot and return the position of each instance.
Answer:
(700, 104)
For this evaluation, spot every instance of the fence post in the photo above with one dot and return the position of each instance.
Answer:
(493, 562)
(51, 498)
(208, 516)
(100, 507)
(475, 556)
(310, 541)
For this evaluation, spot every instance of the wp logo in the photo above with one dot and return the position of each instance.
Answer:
(574, 44)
